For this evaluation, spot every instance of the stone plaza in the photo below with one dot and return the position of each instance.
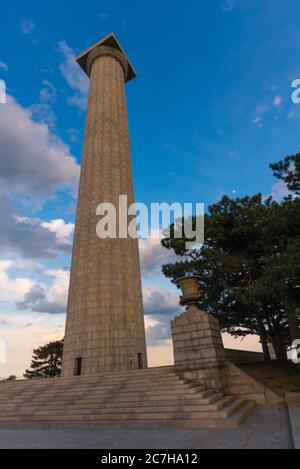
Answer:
(266, 428)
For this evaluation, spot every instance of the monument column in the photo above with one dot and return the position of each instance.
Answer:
(105, 323)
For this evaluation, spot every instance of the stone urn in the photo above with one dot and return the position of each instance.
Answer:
(190, 289)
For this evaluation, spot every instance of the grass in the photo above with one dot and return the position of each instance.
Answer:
(280, 376)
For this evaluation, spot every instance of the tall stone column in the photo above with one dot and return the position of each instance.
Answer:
(105, 322)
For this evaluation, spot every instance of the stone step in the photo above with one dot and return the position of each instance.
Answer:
(114, 379)
(60, 387)
(111, 380)
(126, 384)
(232, 422)
(121, 393)
(222, 411)
(45, 395)
(129, 374)
(147, 372)
(173, 405)
(23, 384)
(127, 391)
(31, 407)
(118, 416)
(208, 395)
(214, 401)
(155, 398)
(184, 404)
(243, 413)
(176, 421)
(154, 395)
(114, 400)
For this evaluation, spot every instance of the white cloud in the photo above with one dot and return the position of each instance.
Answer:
(62, 230)
(161, 306)
(71, 70)
(279, 191)
(60, 287)
(23, 333)
(53, 300)
(261, 109)
(74, 76)
(29, 237)
(153, 255)
(160, 355)
(277, 101)
(73, 135)
(11, 289)
(44, 114)
(34, 161)
(79, 101)
(27, 26)
(159, 301)
(228, 5)
(158, 333)
(48, 93)
(103, 16)
(3, 65)
(258, 114)
(257, 121)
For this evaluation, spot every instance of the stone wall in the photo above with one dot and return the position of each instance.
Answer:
(198, 348)
(243, 356)
(200, 357)
(241, 384)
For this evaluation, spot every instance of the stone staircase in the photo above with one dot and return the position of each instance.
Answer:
(152, 398)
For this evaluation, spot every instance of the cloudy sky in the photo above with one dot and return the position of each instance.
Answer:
(210, 109)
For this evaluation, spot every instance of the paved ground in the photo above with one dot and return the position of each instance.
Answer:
(268, 427)
(294, 410)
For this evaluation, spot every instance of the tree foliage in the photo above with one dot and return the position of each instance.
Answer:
(46, 361)
(288, 171)
(249, 267)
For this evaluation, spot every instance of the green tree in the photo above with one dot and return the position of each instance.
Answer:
(288, 171)
(46, 361)
(245, 237)
(285, 272)
(11, 378)
(283, 276)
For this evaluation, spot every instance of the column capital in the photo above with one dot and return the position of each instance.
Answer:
(102, 51)
(109, 45)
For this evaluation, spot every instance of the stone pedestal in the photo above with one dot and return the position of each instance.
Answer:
(198, 348)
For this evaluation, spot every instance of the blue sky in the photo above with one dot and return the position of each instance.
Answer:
(210, 109)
